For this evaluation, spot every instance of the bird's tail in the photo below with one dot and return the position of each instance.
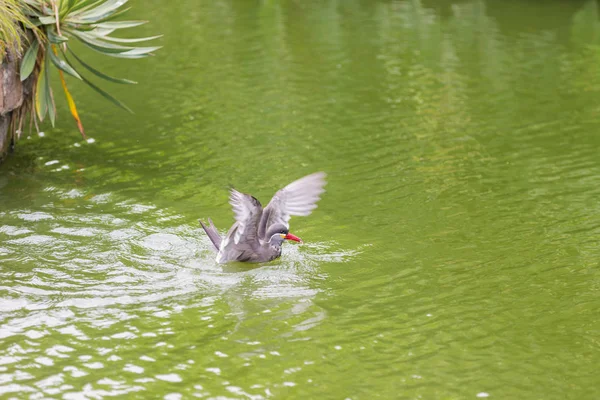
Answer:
(212, 233)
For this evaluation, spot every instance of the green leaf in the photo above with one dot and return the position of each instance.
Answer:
(113, 15)
(102, 11)
(122, 40)
(100, 32)
(47, 20)
(117, 50)
(49, 97)
(29, 58)
(104, 50)
(32, 12)
(56, 39)
(45, 8)
(113, 50)
(64, 5)
(78, 19)
(62, 64)
(41, 105)
(106, 95)
(139, 51)
(127, 56)
(99, 45)
(100, 74)
(82, 5)
(119, 24)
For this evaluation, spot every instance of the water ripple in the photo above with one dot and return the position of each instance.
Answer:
(102, 264)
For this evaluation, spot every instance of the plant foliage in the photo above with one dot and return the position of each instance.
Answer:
(12, 19)
(90, 22)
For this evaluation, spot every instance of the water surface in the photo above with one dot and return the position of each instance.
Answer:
(453, 256)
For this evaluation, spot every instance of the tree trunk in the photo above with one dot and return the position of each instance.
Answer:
(11, 98)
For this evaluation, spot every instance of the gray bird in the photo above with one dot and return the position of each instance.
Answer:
(257, 234)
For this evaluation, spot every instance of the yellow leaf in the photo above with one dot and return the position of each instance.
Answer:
(71, 104)
(70, 100)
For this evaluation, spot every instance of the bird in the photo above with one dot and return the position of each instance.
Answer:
(258, 234)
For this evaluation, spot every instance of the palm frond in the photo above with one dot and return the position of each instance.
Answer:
(55, 23)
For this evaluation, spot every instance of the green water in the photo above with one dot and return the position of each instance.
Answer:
(454, 255)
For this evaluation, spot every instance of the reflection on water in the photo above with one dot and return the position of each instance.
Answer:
(454, 254)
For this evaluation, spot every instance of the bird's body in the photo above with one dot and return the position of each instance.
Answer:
(257, 234)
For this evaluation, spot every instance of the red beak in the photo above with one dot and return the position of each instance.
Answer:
(295, 238)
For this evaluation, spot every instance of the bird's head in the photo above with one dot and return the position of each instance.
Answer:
(278, 234)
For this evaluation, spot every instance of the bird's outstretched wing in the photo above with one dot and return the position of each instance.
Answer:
(213, 233)
(297, 198)
(248, 211)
